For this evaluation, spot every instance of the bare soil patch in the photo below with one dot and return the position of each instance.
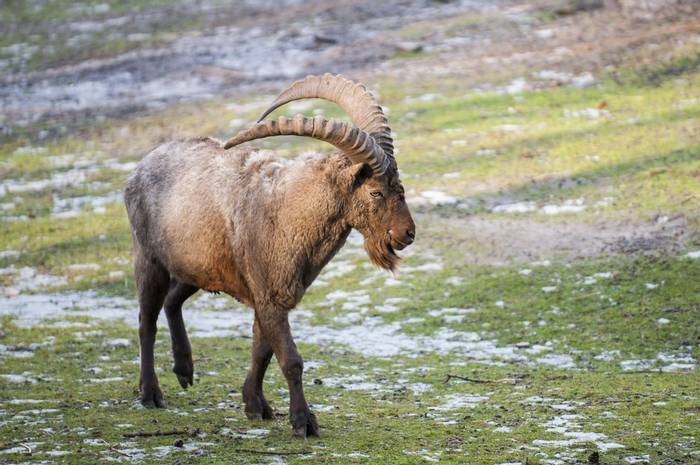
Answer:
(503, 241)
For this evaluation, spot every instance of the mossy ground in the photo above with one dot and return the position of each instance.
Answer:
(580, 351)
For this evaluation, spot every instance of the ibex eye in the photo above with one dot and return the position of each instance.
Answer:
(376, 194)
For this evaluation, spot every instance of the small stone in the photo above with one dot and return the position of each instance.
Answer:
(522, 345)
(594, 458)
(318, 381)
(179, 443)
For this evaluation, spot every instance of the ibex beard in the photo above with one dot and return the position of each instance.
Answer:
(219, 217)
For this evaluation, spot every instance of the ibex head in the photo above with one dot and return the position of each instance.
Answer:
(377, 207)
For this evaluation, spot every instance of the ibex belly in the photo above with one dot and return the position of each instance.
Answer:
(200, 254)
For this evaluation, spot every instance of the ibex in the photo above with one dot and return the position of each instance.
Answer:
(260, 229)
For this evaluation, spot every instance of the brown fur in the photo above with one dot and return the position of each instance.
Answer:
(258, 228)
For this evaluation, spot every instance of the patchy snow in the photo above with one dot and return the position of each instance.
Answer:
(9, 254)
(355, 383)
(518, 207)
(694, 254)
(560, 361)
(209, 315)
(337, 268)
(19, 379)
(29, 279)
(637, 458)
(84, 267)
(458, 401)
(436, 198)
(664, 361)
(106, 380)
(30, 401)
(608, 355)
(119, 342)
(419, 388)
(72, 206)
(568, 426)
(517, 86)
(587, 113)
(569, 206)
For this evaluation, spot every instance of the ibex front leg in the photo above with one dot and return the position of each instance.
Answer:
(275, 327)
(256, 407)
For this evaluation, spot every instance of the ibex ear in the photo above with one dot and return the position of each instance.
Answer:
(358, 174)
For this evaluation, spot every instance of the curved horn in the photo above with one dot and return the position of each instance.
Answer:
(352, 97)
(354, 142)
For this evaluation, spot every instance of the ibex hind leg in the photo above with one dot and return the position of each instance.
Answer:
(152, 282)
(182, 351)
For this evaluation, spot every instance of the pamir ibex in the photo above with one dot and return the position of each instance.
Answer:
(260, 228)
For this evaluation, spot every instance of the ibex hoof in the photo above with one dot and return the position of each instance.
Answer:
(304, 424)
(152, 397)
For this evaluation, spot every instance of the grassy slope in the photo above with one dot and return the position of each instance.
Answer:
(644, 155)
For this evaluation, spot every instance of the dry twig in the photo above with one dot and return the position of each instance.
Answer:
(148, 434)
(272, 452)
(480, 380)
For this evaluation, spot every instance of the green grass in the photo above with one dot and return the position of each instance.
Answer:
(660, 406)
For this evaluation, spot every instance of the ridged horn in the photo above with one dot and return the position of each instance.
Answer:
(354, 142)
(352, 97)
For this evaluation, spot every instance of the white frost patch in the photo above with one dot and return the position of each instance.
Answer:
(663, 321)
(561, 361)
(503, 429)
(58, 180)
(355, 383)
(569, 206)
(587, 113)
(28, 279)
(608, 355)
(694, 254)
(30, 401)
(637, 459)
(323, 407)
(436, 198)
(119, 342)
(517, 86)
(419, 388)
(651, 285)
(424, 268)
(549, 289)
(209, 315)
(568, 426)
(664, 361)
(107, 380)
(69, 207)
(84, 267)
(9, 254)
(256, 433)
(454, 280)
(18, 379)
(337, 268)
(630, 365)
(451, 314)
(518, 207)
(457, 401)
